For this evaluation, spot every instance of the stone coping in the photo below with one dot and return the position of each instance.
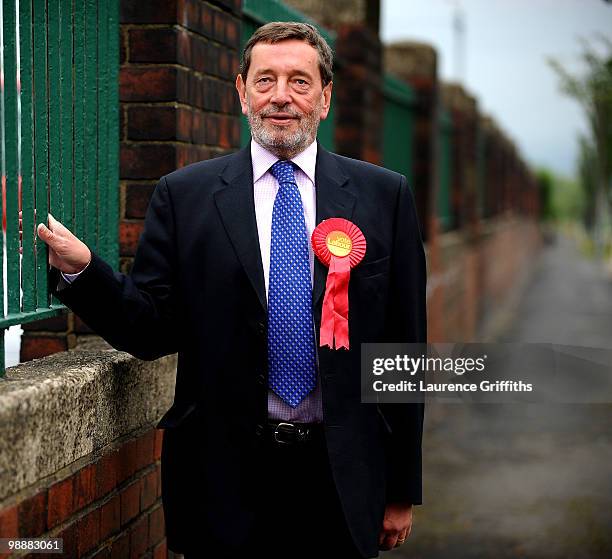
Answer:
(59, 409)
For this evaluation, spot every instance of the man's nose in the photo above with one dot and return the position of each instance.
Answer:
(281, 94)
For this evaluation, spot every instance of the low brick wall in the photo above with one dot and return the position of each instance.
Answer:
(475, 280)
(80, 455)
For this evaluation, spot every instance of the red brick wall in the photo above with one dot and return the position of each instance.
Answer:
(109, 506)
(471, 283)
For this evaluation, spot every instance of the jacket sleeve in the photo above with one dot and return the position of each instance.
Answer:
(136, 313)
(407, 323)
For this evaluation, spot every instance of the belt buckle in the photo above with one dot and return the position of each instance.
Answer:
(297, 433)
(276, 431)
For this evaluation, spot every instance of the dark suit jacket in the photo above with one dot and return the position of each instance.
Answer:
(197, 288)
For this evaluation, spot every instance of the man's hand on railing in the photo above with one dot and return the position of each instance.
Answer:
(67, 253)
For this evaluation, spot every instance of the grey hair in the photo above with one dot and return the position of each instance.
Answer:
(277, 31)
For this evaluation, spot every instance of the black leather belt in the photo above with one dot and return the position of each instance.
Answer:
(287, 433)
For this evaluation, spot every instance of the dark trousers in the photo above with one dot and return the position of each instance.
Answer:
(297, 509)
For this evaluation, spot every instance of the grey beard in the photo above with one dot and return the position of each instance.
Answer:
(280, 143)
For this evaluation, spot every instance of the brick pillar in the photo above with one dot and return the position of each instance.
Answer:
(357, 73)
(495, 149)
(179, 60)
(505, 176)
(338, 12)
(487, 127)
(416, 63)
(359, 102)
(178, 105)
(464, 115)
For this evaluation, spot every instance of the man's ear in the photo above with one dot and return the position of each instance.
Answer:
(327, 92)
(241, 88)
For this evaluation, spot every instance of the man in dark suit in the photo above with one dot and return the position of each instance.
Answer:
(267, 447)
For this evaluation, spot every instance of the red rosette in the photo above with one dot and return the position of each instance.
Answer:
(340, 245)
(327, 226)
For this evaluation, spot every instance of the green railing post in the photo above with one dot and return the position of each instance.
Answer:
(41, 146)
(28, 261)
(79, 118)
(111, 199)
(66, 119)
(444, 163)
(398, 126)
(11, 156)
(91, 123)
(2, 358)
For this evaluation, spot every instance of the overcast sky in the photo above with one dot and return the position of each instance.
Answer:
(506, 45)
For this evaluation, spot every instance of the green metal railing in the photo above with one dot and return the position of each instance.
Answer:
(59, 116)
(398, 126)
(258, 12)
(444, 206)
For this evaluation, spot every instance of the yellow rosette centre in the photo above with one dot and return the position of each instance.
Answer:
(339, 243)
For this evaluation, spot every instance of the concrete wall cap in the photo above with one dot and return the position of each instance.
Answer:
(58, 409)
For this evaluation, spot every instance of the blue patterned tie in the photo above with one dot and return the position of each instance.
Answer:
(291, 344)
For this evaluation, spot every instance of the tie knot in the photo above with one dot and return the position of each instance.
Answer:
(282, 171)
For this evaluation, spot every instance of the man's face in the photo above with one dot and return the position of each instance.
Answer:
(283, 97)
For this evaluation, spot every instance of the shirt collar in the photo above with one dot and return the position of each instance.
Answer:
(263, 159)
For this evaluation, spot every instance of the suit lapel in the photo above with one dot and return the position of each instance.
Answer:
(333, 200)
(236, 205)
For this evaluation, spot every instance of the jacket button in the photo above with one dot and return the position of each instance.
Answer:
(259, 429)
(261, 380)
(261, 328)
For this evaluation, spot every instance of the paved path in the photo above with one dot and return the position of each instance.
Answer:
(528, 480)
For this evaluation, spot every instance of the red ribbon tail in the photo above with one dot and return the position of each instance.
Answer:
(327, 313)
(334, 316)
(341, 304)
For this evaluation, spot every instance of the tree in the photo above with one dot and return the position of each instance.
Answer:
(593, 90)
(587, 175)
(561, 199)
(545, 186)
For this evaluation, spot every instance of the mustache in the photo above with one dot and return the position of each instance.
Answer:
(274, 109)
